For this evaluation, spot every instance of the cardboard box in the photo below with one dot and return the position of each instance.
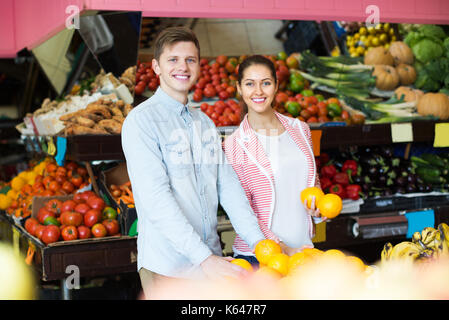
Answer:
(118, 175)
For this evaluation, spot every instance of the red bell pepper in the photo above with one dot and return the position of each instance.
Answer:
(341, 178)
(353, 191)
(338, 189)
(350, 167)
(324, 158)
(325, 183)
(328, 171)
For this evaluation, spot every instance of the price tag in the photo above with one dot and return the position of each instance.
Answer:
(401, 132)
(441, 138)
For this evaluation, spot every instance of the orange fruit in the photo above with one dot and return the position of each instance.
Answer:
(297, 260)
(279, 262)
(265, 249)
(17, 183)
(356, 262)
(267, 272)
(309, 193)
(243, 263)
(334, 253)
(312, 252)
(330, 205)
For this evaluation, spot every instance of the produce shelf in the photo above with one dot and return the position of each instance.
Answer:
(109, 147)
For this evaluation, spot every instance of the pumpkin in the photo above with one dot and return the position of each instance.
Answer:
(387, 77)
(407, 74)
(434, 104)
(408, 93)
(401, 53)
(378, 55)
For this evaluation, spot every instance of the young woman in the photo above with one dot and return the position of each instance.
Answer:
(273, 157)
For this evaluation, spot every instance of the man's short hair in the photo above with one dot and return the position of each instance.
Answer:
(172, 35)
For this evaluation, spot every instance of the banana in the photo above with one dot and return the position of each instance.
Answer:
(405, 249)
(444, 230)
(386, 251)
(443, 243)
(416, 237)
(428, 235)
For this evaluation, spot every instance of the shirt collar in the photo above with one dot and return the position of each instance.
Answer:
(170, 102)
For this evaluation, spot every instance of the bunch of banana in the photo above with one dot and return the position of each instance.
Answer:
(428, 243)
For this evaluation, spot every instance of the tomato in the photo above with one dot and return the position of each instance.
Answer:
(99, 230)
(87, 194)
(231, 91)
(221, 60)
(313, 109)
(54, 186)
(38, 231)
(82, 208)
(69, 233)
(68, 205)
(223, 95)
(305, 114)
(30, 225)
(60, 179)
(46, 181)
(109, 213)
(112, 226)
(281, 98)
(312, 119)
(209, 92)
(50, 234)
(198, 95)
(219, 108)
(96, 203)
(71, 218)
(44, 213)
(84, 232)
(68, 187)
(82, 171)
(153, 84)
(61, 171)
(51, 167)
(76, 180)
(78, 198)
(139, 88)
(204, 106)
(92, 217)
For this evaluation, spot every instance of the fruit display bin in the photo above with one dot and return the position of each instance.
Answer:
(94, 147)
(93, 257)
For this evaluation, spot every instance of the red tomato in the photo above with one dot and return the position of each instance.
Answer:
(96, 203)
(210, 109)
(153, 84)
(139, 88)
(198, 95)
(201, 83)
(231, 91)
(82, 171)
(38, 231)
(209, 92)
(54, 205)
(87, 194)
(99, 230)
(44, 213)
(204, 106)
(92, 217)
(112, 226)
(219, 108)
(70, 166)
(84, 232)
(30, 225)
(82, 208)
(313, 109)
(69, 233)
(78, 198)
(312, 119)
(68, 205)
(68, 187)
(50, 234)
(71, 218)
(223, 95)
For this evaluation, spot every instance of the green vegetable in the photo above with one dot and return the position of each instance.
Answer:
(426, 42)
(430, 175)
(334, 110)
(435, 160)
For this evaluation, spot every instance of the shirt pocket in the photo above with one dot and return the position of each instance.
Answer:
(178, 159)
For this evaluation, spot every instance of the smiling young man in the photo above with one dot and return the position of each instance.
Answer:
(179, 174)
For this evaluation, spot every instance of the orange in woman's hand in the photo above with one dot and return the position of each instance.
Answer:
(309, 193)
(330, 205)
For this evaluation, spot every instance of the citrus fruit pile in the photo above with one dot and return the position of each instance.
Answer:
(370, 37)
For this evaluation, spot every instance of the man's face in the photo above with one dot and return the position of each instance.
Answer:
(178, 69)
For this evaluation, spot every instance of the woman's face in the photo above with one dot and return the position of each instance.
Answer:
(257, 88)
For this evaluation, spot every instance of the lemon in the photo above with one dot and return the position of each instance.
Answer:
(375, 41)
(357, 36)
(393, 38)
(383, 38)
(387, 27)
(5, 201)
(387, 45)
(363, 30)
(371, 30)
(352, 49)
(360, 50)
(378, 27)
(17, 183)
(354, 54)
(391, 32)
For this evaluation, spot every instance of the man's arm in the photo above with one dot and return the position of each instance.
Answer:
(152, 191)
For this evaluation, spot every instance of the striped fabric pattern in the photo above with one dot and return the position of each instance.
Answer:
(247, 156)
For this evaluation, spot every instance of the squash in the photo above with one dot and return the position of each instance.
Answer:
(387, 77)
(434, 104)
(401, 53)
(378, 55)
(408, 93)
(407, 74)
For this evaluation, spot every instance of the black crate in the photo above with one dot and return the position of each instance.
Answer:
(127, 217)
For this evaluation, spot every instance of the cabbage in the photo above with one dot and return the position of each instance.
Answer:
(426, 50)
